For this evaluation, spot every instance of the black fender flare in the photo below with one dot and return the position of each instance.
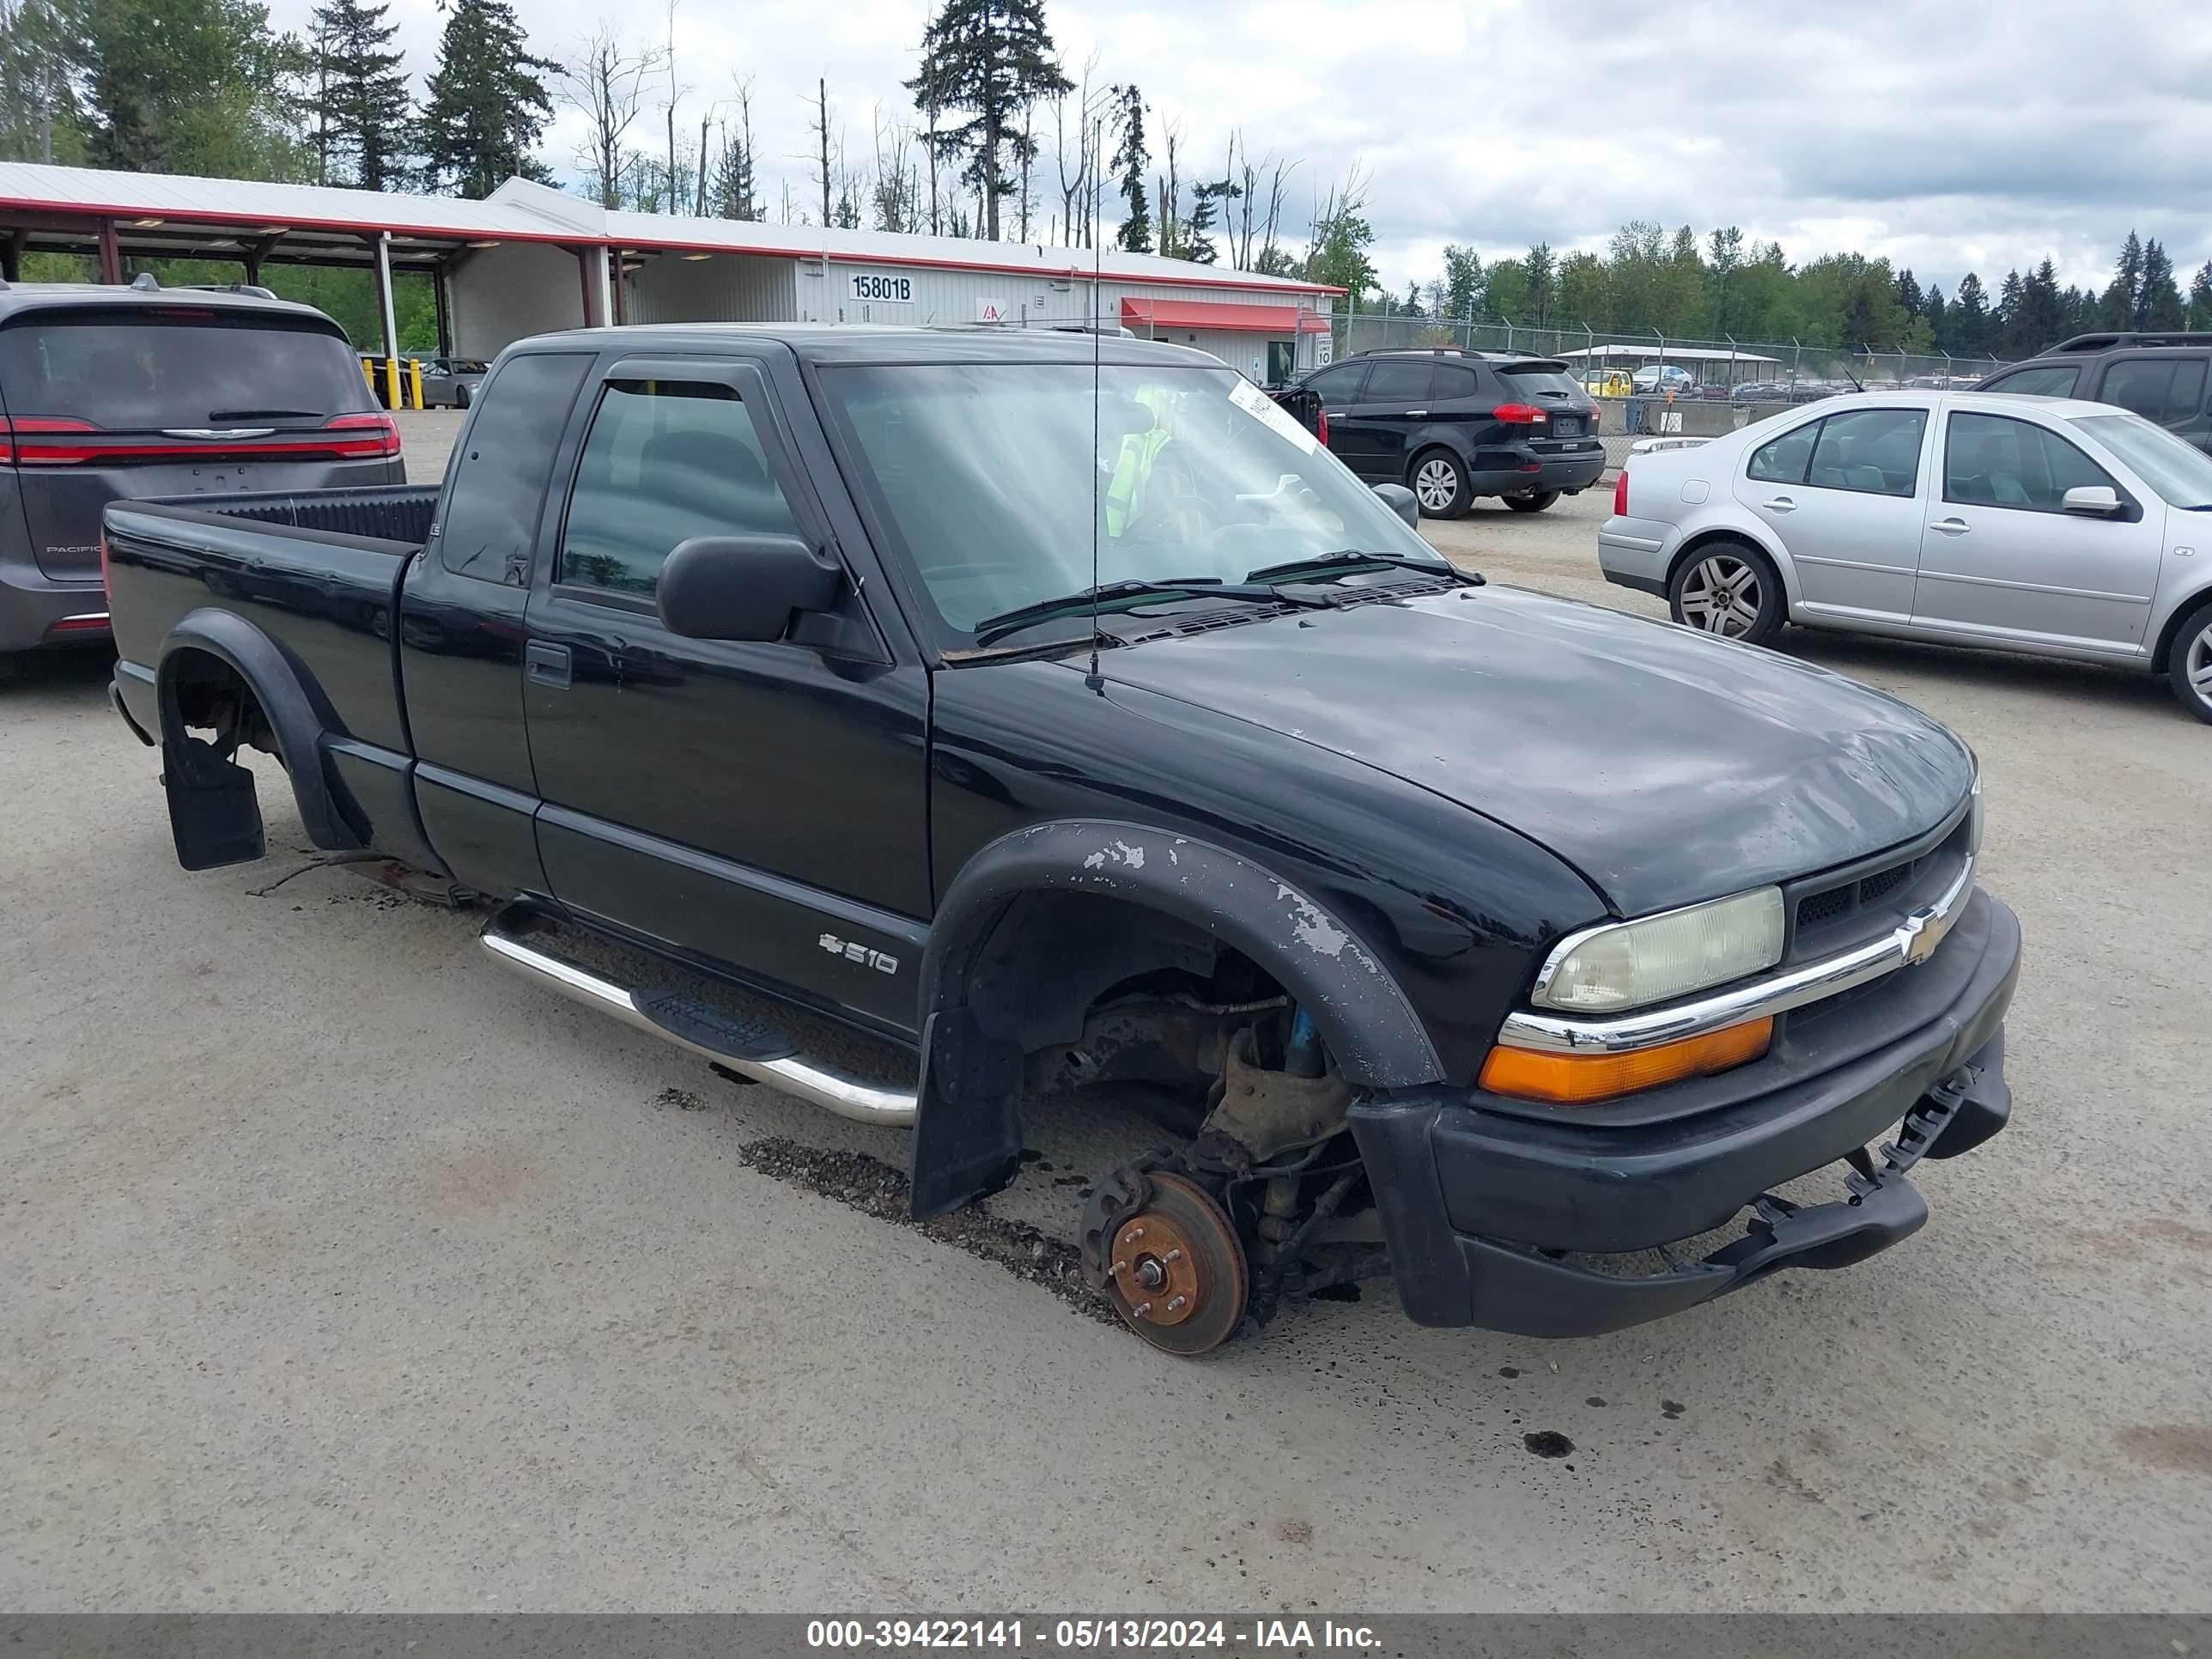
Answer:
(297, 715)
(966, 1132)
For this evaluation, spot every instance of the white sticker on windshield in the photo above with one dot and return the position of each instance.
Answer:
(1256, 402)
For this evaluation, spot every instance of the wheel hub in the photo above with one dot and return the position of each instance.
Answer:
(1177, 1269)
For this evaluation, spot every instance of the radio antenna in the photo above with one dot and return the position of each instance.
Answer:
(1094, 679)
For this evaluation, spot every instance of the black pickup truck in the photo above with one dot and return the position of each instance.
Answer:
(1059, 710)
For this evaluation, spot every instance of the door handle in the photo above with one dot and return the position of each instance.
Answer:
(1951, 526)
(1781, 504)
(548, 665)
(1417, 414)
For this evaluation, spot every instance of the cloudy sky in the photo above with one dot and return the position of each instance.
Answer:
(1947, 136)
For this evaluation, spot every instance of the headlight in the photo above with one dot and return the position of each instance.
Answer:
(1629, 963)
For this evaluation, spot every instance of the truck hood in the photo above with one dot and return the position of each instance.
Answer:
(1667, 767)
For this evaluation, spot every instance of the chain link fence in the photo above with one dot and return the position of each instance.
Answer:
(1615, 362)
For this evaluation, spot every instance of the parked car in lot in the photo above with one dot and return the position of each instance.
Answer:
(1456, 424)
(1065, 725)
(2048, 525)
(1665, 377)
(117, 392)
(1608, 383)
(2164, 378)
(451, 382)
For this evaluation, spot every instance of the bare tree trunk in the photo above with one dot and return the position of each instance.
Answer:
(673, 95)
(822, 134)
(705, 116)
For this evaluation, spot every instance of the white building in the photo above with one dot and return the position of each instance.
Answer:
(530, 258)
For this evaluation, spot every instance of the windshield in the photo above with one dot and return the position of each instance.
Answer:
(142, 370)
(2176, 469)
(992, 477)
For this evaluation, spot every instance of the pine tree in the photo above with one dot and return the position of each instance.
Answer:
(1131, 158)
(361, 102)
(2200, 298)
(1908, 293)
(488, 102)
(1462, 283)
(2158, 302)
(2121, 297)
(187, 86)
(1969, 319)
(994, 60)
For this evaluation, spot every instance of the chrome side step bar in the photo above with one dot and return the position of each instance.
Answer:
(741, 1045)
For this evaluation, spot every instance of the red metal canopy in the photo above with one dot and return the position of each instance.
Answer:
(1149, 315)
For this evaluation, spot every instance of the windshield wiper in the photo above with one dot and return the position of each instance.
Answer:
(1133, 588)
(263, 413)
(1347, 560)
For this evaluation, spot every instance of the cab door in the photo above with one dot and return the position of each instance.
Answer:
(731, 800)
(2002, 556)
(1337, 387)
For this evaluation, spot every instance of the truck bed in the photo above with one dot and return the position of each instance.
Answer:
(319, 572)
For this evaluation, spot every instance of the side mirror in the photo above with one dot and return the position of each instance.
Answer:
(2098, 501)
(1400, 501)
(741, 587)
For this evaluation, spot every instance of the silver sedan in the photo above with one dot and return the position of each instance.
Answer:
(2040, 525)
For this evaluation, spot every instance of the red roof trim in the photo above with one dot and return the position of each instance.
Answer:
(1223, 314)
(1073, 270)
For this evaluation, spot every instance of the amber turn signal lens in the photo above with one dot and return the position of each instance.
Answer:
(1581, 1080)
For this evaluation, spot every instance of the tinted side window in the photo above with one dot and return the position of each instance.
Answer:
(491, 515)
(1989, 460)
(2048, 381)
(1397, 380)
(2164, 390)
(1337, 385)
(1784, 460)
(1454, 382)
(664, 461)
(1874, 450)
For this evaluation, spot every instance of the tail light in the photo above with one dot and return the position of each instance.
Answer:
(1520, 415)
(1321, 424)
(44, 441)
(1620, 494)
(59, 441)
(378, 439)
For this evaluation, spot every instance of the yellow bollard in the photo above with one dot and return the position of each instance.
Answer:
(368, 373)
(415, 373)
(392, 383)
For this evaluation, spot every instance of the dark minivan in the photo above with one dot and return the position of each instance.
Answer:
(117, 393)
(2165, 378)
(1453, 425)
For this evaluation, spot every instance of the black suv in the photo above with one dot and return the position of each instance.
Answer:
(108, 393)
(2161, 377)
(1456, 424)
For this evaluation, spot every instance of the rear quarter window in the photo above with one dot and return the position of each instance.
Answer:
(2043, 380)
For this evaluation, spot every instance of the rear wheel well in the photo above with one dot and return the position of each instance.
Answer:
(1706, 538)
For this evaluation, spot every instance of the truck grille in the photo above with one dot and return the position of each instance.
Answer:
(1835, 914)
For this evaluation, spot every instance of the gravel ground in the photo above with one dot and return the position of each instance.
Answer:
(344, 1272)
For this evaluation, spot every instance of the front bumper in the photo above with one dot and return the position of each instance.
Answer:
(1484, 1200)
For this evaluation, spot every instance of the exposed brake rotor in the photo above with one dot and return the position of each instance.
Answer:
(1176, 1269)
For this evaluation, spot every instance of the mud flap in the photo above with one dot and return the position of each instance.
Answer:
(213, 814)
(968, 1129)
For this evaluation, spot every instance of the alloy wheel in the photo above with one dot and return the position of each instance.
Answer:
(1721, 597)
(2199, 669)
(1435, 484)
